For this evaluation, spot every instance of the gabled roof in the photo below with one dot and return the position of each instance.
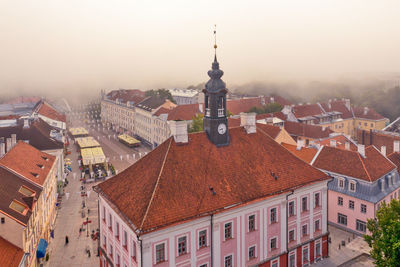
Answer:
(307, 130)
(151, 102)
(48, 111)
(243, 105)
(378, 139)
(301, 111)
(340, 106)
(271, 130)
(367, 113)
(10, 255)
(305, 153)
(351, 163)
(38, 134)
(340, 142)
(279, 115)
(29, 162)
(184, 112)
(162, 110)
(395, 158)
(175, 182)
(125, 95)
(10, 184)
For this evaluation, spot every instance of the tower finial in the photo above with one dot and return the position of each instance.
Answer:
(215, 40)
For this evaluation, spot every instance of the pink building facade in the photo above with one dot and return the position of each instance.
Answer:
(289, 229)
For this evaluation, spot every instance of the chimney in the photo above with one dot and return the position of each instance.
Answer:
(272, 99)
(13, 140)
(201, 107)
(179, 131)
(2, 149)
(396, 146)
(262, 100)
(361, 150)
(8, 144)
(300, 144)
(347, 103)
(347, 145)
(333, 143)
(383, 150)
(26, 123)
(365, 110)
(248, 120)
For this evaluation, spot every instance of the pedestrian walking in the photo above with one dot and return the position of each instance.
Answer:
(80, 231)
(89, 253)
(66, 240)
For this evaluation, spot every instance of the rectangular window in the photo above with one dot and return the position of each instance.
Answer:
(304, 204)
(252, 252)
(182, 248)
(363, 208)
(352, 186)
(291, 235)
(105, 242)
(316, 226)
(341, 183)
(134, 249)
(104, 213)
(292, 260)
(228, 231)
(202, 238)
(273, 243)
(304, 230)
(291, 208)
(351, 204)
(125, 239)
(111, 251)
(318, 249)
(274, 264)
(110, 221)
(160, 253)
(305, 255)
(316, 200)
(342, 219)
(273, 215)
(361, 226)
(117, 230)
(228, 261)
(252, 223)
(340, 201)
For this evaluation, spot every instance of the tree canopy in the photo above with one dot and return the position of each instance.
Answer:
(163, 93)
(268, 108)
(197, 124)
(384, 237)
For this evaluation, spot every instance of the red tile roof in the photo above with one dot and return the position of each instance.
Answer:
(10, 117)
(301, 111)
(305, 153)
(46, 110)
(351, 163)
(395, 158)
(10, 255)
(125, 95)
(184, 112)
(278, 115)
(367, 113)
(243, 105)
(378, 139)
(26, 160)
(172, 183)
(271, 130)
(340, 106)
(162, 110)
(311, 131)
(233, 122)
(340, 142)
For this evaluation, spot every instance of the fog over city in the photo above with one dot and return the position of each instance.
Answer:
(79, 47)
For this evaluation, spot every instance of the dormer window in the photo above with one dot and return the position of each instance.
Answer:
(40, 166)
(45, 158)
(26, 191)
(341, 183)
(35, 174)
(383, 184)
(19, 207)
(352, 186)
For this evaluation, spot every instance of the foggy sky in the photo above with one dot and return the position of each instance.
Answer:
(82, 45)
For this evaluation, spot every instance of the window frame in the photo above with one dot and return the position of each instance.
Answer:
(294, 235)
(317, 221)
(361, 208)
(253, 223)
(364, 226)
(352, 184)
(302, 230)
(317, 200)
(164, 258)
(184, 248)
(276, 243)
(341, 181)
(351, 204)
(230, 231)
(344, 217)
(293, 213)
(230, 256)
(273, 215)
(254, 252)
(304, 209)
(340, 201)
(200, 235)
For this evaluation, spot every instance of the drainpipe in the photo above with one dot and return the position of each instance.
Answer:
(211, 239)
(141, 252)
(287, 226)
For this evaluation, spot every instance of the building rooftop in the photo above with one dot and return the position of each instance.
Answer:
(350, 163)
(340, 140)
(151, 102)
(378, 139)
(304, 153)
(126, 95)
(29, 162)
(301, 111)
(183, 92)
(307, 130)
(367, 113)
(185, 112)
(178, 182)
(48, 111)
(10, 255)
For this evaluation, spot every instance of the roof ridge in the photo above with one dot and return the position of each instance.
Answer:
(156, 186)
(365, 169)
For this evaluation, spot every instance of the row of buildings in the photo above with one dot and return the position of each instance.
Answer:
(31, 177)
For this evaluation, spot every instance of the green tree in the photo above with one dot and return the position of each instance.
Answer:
(197, 124)
(268, 108)
(384, 237)
(163, 93)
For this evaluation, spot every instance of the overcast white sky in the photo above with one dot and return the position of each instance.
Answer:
(92, 44)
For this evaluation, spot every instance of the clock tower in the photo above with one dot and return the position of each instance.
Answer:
(215, 122)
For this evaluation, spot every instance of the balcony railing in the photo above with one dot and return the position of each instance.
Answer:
(208, 112)
(220, 112)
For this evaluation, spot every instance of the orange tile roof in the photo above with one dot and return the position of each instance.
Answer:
(10, 255)
(172, 183)
(371, 114)
(340, 142)
(162, 110)
(243, 105)
(49, 112)
(340, 106)
(125, 95)
(305, 153)
(271, 130)
(26, 160)
(395, 158)
(307, 130)
(233, 122)
(184, 112)
(351, 163)
(378, 139)
(278, 115)
(301, 111)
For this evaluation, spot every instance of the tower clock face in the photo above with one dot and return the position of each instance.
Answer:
(221, 128)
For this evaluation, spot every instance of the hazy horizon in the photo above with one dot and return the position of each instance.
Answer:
(84, 46)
